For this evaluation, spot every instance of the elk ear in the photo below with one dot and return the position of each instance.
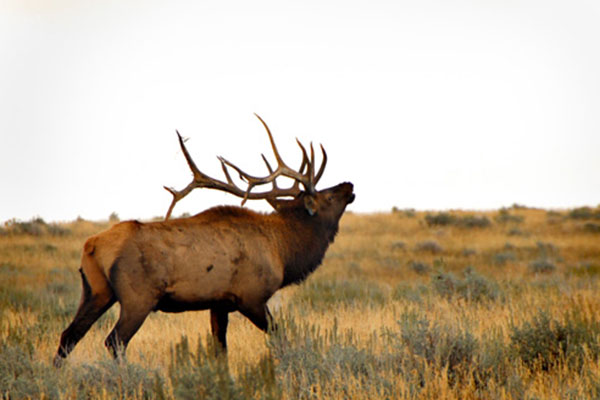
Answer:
(310, 203)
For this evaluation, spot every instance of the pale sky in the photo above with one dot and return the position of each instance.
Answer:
(423, 104)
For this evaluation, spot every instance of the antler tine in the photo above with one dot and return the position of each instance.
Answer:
(188, 158)
(270, 170)
(311, 167)
(322, 168)
(282, 168)
(273, 146)
(200, 180)
(177, 195)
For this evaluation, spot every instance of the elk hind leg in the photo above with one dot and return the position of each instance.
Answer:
(93, 304)
(131, 318)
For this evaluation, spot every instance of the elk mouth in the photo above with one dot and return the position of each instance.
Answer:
(349, 191)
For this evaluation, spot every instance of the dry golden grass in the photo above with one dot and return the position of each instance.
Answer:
(371, 250)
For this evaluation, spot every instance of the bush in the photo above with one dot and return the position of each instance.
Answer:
(35, 227)
(503, 257)
(398, 245)
(323, 295)
(444, 284)
(306, 358)
(406, 291)
(545, 343)
(516, 232)
(57, 230)
(473, 287)
(585, 269)
(19, 369)
(467, 252)
(583, 213)
(429, 246)
(419, 267)
(406, 212)
(441, 219)
(542, 266)
(504, 217)
(591, 227)
(434, 346)
(473, 221)
(200, 375)
(467, 221)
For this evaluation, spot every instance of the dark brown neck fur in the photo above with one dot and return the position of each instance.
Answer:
(307, 240)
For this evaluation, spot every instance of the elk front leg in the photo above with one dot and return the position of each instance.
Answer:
(219, 319)
(260, 316)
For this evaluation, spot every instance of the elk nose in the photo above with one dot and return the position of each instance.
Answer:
(351, 199)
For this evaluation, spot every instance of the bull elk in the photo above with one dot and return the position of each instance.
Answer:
(224, 259)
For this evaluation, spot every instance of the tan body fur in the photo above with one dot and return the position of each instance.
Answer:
(225, 259)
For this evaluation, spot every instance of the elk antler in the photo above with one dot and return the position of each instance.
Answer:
(201, 180)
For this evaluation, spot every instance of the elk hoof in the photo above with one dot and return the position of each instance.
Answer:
(58, 361)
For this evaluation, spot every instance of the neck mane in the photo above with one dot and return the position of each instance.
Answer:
(307, 240)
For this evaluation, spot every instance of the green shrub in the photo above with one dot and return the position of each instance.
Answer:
(427, 345)
(473, 221)
(546, 248)
(504, 216)
(473, 287)
(122, 380)
(406, 212)
(476, 287)
(467, 252)
(503, 257)
(398, 245)
(323, 295)
(583, 213)
(429, 246)
(35, 227)
(545, 343)
(421, 268)
(57, 230)
(542, 266)
(516, 232)
(467, 221)
(306, 357)
(585, 269)
(591, 227)
(22, 376)
(407, 291)
(441, 219)
(200, 375)
(444, 284)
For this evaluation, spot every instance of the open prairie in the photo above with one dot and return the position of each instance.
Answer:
(434, 305)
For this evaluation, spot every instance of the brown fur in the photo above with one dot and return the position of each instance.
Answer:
(224, 259)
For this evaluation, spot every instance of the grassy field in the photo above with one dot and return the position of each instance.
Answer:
(456, 305)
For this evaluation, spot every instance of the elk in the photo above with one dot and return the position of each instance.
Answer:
(224, 259)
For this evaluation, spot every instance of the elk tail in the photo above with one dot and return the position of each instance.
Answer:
(94, 278)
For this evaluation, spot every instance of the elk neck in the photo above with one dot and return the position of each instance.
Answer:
(306, 241)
